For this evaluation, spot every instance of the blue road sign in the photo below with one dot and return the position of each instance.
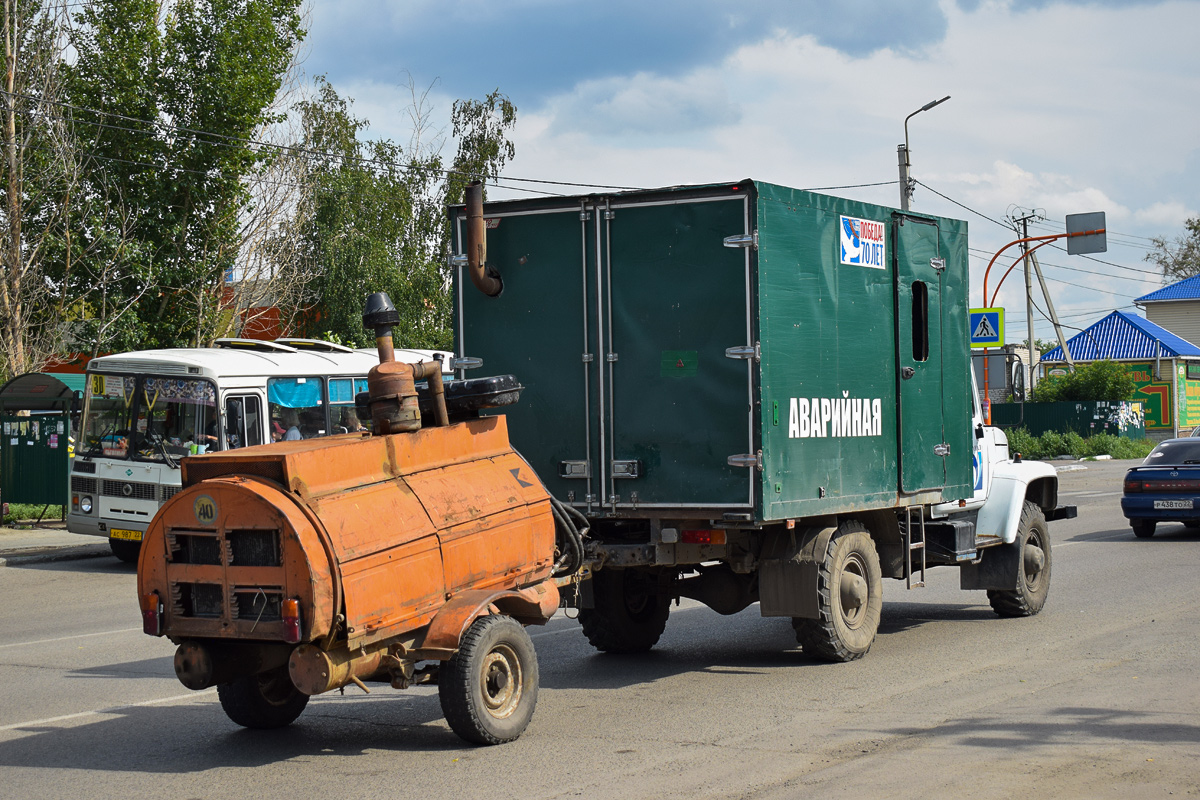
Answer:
(987, 327)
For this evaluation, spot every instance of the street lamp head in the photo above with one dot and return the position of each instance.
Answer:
(906, 182)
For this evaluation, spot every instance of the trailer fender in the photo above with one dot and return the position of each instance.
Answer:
(533, 605)
(787, 572)
(1012, 483)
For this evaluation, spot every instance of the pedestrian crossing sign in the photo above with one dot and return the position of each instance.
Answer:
(987, 327)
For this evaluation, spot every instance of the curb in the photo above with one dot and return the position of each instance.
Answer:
(45, 556)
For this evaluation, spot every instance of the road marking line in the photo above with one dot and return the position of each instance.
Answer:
(553, 633)
(68, 638)
(110, 710)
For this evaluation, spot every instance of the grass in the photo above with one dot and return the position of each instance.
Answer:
(24, 512)
(1051, 444)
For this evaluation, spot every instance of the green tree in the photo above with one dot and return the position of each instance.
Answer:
(1098, 380)
(1178, 258)
(372, 214)
(170, 97)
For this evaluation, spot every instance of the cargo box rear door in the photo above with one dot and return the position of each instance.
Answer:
(674, 405)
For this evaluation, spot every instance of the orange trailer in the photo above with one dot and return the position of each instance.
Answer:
(408, 555)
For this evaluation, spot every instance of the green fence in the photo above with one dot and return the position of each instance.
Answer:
(1126, 419)
(33, 459)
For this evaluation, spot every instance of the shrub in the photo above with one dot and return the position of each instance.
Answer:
(1099, 380)
(1051, 444)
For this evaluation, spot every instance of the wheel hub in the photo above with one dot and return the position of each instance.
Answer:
(501, 682)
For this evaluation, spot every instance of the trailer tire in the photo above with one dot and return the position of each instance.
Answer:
(1033, 568)
(1142, 528)
(488, 689)
(850, 598)
(125, 551)
(264, 701)
(629, 616)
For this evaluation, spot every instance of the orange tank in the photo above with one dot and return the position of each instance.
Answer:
(291, 569)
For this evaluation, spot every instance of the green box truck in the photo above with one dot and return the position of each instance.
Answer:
(754, 394)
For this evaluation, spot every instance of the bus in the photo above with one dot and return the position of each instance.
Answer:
(145, 411)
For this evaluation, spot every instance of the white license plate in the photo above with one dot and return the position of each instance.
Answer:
(136, 536)
(1172, 503)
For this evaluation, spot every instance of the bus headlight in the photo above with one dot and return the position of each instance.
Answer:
(85, 505)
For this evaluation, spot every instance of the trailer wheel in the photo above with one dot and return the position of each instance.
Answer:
(263, 701)
(124, 550)
(629, 614)
(1142, 528)
(488, 689)
(850, 598)
(1033, 576)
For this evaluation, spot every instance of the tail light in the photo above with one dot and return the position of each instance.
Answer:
(152, 614)
(291, 620)
(702, 537)
(1132, 485)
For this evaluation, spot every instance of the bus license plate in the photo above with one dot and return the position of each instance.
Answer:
(1172, 503)
(136, 536)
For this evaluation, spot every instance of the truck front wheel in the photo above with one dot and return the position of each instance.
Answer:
(629, 614)
(264, 701)
(488, 689)
(1033, 571)
(850, 598)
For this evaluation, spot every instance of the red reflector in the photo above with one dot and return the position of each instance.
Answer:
(291, 620)
(152, 610)
(702, 537)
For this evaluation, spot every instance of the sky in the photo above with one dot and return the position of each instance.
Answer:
(1056, 107)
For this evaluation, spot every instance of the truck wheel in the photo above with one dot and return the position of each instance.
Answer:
(263, 701)
(489, 688)
(850, 598)
(1142, 528)
(124, 550)
(1033, 577)
(629, 614)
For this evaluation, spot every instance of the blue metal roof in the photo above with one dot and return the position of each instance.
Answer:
(1122, 336)
(1186, 289)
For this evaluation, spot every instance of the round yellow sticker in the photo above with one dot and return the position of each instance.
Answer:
(205, 509)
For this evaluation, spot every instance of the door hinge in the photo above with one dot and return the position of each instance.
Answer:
(743, 240)
(611, 358)
(588, 358)
(942, 449)
(753, 351)
(584, 216)
(456, 261)
(574, 469)
(746, 460)
(627, 469)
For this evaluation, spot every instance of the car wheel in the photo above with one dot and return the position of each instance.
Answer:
(1142, 528)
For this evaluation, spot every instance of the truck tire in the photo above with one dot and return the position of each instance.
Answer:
(264, 701)
(488, 689)
(629, 615)
(850, 598)
(1033, 573)
(125, 551)
(1142, 528)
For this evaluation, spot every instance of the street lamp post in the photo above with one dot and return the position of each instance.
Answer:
(902, 152)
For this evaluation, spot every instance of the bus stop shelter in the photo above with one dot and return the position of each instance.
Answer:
(35, 428)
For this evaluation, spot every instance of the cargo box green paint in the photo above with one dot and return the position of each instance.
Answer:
(739, 352)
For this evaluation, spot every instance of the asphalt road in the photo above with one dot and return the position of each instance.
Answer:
(1097, 696)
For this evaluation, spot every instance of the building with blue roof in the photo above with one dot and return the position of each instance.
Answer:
(1164, 366)
(1175, 307)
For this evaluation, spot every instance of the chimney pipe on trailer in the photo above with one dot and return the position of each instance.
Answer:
(485, 278)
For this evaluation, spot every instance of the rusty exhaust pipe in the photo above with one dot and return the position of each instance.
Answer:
(394, 407)
(199, 665)
(485, 278)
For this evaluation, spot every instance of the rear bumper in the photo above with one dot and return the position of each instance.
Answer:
(1142, 507)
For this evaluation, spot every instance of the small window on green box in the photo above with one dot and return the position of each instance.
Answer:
(1193, 372)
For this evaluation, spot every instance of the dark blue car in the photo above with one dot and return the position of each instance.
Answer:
(1164, 488)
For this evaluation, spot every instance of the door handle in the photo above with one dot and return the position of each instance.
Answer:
(907, 372)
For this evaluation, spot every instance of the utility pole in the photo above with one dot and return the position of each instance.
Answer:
(907, 185)
(1023, 221)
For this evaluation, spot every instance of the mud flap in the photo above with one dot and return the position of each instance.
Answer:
(787, 572)
(998, 568)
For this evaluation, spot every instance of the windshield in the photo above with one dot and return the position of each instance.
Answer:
(148, 418)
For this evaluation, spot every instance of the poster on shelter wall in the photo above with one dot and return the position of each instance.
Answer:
(1155, 395)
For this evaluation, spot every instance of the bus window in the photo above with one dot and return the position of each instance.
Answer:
(296, 408)
(105, 430)
(174, 417)
(341, 404)
(243, 421)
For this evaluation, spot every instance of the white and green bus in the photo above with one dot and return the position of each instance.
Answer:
(144, 411)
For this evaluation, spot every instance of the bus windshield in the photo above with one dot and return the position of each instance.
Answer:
(149, 418)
